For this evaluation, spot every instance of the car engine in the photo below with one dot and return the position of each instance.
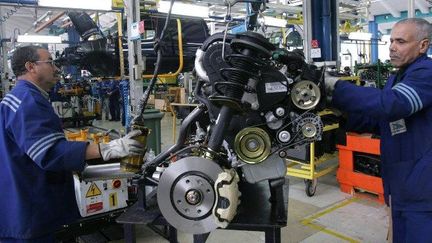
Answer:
(256, 102)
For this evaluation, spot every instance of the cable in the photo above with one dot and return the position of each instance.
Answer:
(228, 15)
(144, 100)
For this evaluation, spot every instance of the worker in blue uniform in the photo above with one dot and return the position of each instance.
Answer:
(401, 113)
(36, 160)
(114, 100)
(103, 93)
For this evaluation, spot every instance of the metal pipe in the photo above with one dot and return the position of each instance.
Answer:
(200, 97)
(222, 123)
(187, 122)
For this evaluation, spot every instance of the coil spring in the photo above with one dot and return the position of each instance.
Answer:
(251, 52)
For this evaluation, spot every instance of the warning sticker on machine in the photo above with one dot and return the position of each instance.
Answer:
(93, 191)
(94, 207)
(276, 87)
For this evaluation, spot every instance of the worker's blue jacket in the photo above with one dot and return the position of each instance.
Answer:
(37, 191)
(401, 114)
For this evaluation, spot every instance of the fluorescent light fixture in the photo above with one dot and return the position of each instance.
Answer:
(39, 39)
(78, 4)
(184, 9)
(360, 36)
(271, 21)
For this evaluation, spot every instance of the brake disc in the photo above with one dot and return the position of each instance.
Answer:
(186, 194)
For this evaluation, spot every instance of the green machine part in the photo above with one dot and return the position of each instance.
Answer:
(152, 120)
(378, 72)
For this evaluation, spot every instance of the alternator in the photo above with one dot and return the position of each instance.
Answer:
(310, 127)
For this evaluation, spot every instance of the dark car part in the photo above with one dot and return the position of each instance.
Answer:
(97, 56)
(194, 33)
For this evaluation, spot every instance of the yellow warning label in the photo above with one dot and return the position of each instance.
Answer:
(93, 191)
(117, 3)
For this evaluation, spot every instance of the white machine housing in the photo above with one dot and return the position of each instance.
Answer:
(100, 196)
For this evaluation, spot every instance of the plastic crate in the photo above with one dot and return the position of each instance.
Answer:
(356, 183)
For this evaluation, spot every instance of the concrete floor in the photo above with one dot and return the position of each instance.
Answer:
(329, 216)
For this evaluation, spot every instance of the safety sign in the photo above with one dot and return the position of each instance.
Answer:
(93, 191)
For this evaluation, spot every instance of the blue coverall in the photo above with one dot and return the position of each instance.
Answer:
(401, 114)
(103, 96)
(35, 167)
(114, 100)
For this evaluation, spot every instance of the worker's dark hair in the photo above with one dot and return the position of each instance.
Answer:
(424, 28)
(21, 56)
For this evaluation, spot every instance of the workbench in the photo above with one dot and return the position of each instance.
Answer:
(255, 213)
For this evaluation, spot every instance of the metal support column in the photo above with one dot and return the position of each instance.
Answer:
(132, 9)
(373, 28)
(325, 28)
(307, 29)
(4, 52)
(411, 9)
(326, 31)
(120, 43)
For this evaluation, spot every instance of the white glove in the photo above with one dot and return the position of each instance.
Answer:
(122, 147)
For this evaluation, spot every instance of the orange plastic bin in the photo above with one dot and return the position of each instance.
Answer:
(356, 183)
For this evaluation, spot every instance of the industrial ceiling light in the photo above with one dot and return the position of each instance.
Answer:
(184, 9)
(49, 39)
(105, 5)
(360, 36)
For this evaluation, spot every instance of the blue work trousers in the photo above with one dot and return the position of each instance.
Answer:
(412, 226)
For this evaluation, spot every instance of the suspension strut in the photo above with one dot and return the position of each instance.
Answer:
(251, 53)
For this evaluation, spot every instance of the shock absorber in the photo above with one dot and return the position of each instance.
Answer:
(250, 54)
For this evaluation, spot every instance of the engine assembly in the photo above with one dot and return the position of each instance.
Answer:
(257, 102)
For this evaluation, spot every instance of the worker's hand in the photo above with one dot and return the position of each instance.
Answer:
(122, 147)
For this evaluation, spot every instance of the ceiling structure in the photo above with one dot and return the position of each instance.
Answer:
(21, 20)
(363, 11)
(42, 21)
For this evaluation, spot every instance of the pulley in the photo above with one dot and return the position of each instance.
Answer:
(310, 127)
(252, 145)
(305, 94)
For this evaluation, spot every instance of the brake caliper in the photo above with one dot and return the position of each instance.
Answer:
(228, 197)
